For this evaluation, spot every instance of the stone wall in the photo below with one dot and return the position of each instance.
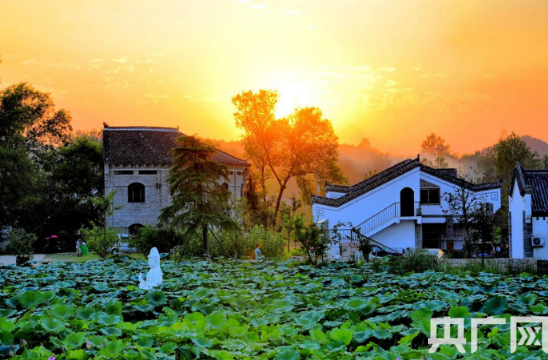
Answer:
(418, 236)
(156, 193)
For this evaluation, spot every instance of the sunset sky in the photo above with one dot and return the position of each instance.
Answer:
(391, 71)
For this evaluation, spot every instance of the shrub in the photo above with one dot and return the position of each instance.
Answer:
(272, 243)
(20, 243)
(415, 260)
(163, 238)
(100, 239)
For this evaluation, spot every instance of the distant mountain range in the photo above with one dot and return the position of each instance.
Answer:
(538, 145)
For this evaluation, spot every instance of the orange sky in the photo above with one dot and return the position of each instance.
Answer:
(392, 71)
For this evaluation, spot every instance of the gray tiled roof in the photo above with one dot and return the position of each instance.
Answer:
(391, 173)
(538, 181)
(149, 146)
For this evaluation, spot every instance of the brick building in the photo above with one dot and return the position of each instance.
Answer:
(137, 167)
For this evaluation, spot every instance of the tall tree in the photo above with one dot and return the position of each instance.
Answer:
(199, 201)
(498, 162)
(256, 115)
(63, 183)
(435, 145)
(306, 144)
(29, 127)
(28, 118)
(462, 204)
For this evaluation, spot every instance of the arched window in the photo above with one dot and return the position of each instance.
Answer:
(133, 229)
(136, 193)
(225, 185)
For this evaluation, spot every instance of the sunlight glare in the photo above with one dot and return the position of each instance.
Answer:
(292, 95)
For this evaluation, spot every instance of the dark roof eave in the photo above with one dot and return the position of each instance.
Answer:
(392, 173)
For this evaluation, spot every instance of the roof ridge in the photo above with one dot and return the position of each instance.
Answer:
(393, 172)
(140, 128)
(375, 177)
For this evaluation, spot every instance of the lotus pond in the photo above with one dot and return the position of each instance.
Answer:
(244, 310)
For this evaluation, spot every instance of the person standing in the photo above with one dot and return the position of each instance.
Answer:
(258, 252)
(78, 250)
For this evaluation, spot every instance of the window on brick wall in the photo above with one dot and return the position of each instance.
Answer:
(136, 193)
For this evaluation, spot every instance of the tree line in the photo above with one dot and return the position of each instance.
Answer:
(48, 174)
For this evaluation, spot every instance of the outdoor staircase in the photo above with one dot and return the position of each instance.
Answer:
(380, 220)
(354, 236)
(363, 231)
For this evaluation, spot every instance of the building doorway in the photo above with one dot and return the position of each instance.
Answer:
(407, 202)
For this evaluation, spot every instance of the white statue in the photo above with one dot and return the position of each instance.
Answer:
(154, 276)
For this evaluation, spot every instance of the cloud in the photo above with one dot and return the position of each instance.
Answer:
(242, 1)
(157, 54)
(311, 27)
(388, 69)
(61, 65)
(208, 99)
(121, 59)
(438, 75)
(29, 62)
(293, 12)
(157, 96)
(120, 68)
(257, 6)
(96, 60)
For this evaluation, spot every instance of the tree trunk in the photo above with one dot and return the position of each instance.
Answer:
(278, 202)
(263, 185)
(205, 243)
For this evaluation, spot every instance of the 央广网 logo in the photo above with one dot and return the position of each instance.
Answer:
(529, 335)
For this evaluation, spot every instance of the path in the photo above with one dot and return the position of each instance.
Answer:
(10, 259)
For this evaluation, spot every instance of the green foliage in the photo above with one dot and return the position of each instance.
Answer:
(414, 260)
(163, 238)
(199, 201)
(20, 243)
(238, 310)
(272, 243)
(498, 162)
(100, 239)
(29, 127)
(310, 236)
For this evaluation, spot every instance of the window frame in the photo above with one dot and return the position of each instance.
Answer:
(132, 197)
(429, 196)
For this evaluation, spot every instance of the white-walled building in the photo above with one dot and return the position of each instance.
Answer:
(402, 207)
(137, 167)
(528, 213)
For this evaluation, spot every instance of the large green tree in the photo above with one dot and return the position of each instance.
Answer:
(497, 163)
(63, 185)
(29, 127)
(199, 201)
